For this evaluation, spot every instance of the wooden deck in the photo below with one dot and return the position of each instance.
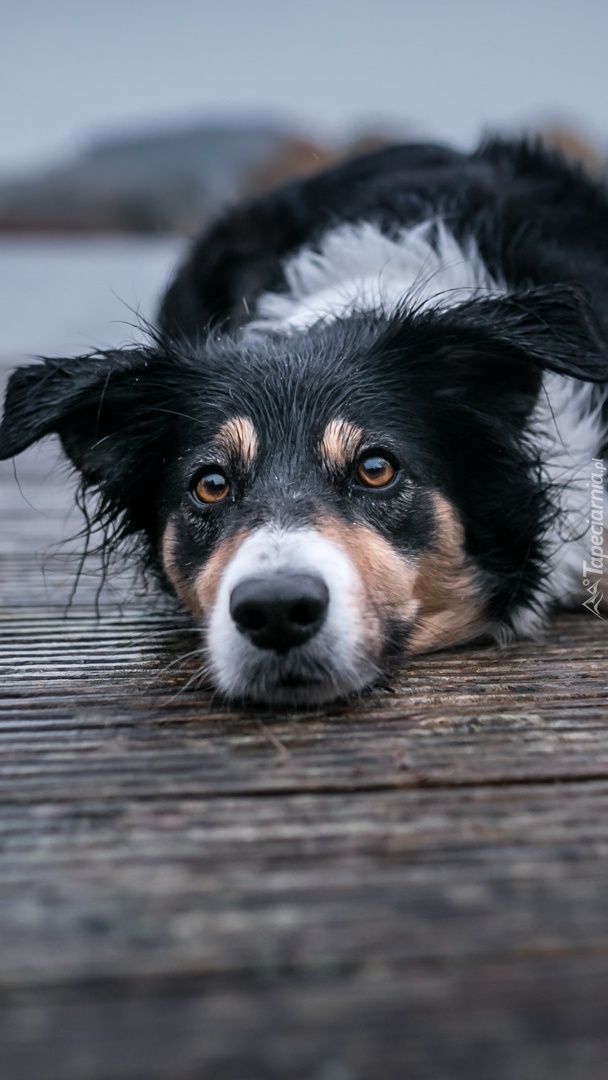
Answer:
(416, 886)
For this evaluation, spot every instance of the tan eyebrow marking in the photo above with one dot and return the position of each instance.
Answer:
(238, 439)
(339, 444)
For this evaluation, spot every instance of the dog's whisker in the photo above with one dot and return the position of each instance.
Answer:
(176, 662)
(400, 447)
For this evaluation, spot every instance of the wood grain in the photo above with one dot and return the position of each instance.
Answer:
(414, 885)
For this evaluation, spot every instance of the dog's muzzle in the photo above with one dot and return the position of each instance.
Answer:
(288, 623)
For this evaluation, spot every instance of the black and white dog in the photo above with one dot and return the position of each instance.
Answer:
(372, 420)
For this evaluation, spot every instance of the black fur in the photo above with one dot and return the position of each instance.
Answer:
(447, 392)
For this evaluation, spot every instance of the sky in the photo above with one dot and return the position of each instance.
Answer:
(449, 69)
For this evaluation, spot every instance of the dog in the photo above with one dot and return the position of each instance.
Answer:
(371, 420)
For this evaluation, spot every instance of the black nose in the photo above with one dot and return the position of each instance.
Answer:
(279, 611)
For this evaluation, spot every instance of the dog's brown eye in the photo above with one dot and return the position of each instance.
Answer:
(211, 486)
(375, 471)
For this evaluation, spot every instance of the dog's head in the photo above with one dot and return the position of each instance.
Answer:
(328, 502)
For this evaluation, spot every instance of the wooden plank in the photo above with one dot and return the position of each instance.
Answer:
(533, 1019)
(450, 1023)
(314, 884)
(532, 712)
(413, 884)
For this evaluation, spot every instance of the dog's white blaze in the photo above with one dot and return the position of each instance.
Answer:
(358, 268)
(338, 645)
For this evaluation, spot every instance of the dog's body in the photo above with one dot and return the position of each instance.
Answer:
(372, 422)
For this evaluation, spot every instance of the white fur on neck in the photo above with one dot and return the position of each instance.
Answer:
(568, 430)
(357, 268)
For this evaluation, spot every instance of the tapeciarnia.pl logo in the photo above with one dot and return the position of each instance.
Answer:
(594, 569)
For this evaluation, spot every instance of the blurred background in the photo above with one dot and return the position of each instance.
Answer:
(125, 125)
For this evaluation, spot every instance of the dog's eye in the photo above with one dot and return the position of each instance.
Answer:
(375, 471)
(211, 486)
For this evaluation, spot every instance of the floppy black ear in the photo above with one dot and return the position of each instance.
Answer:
(553, 327)
(85, 400)
(99, 406)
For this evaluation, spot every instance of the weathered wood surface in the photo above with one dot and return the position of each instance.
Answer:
(413, 886)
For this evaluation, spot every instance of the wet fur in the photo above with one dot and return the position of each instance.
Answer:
(458, 376)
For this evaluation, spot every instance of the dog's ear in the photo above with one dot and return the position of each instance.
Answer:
(85, 400)
(99, 406)
(553, 327)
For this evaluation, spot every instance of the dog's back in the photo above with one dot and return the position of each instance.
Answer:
(372, 421)
(536, 221)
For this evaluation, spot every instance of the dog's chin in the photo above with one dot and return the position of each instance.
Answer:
(296, 694)
(299, 680)
(288, 696)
